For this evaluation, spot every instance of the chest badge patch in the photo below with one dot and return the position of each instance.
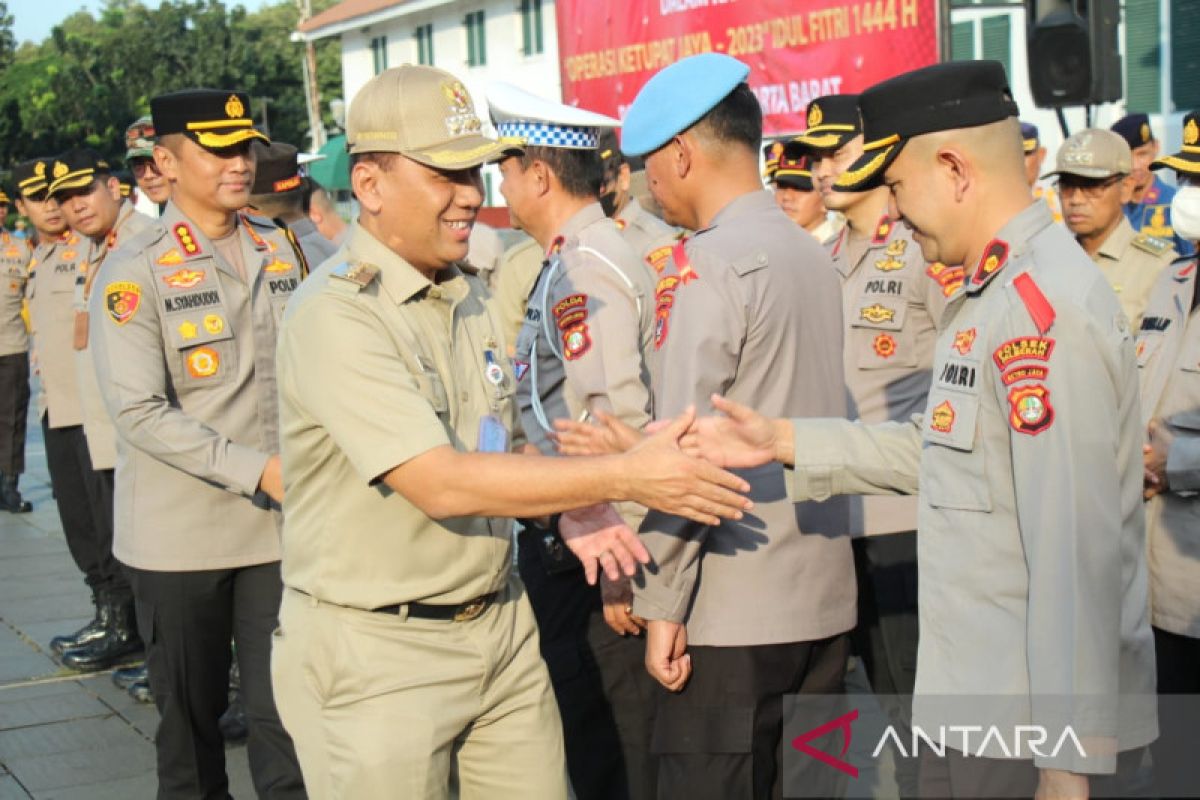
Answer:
(203, 362)
(1030, 411)
(964, 341)
(877, 313)
(184, 278)
(941, 419)
(885, 345)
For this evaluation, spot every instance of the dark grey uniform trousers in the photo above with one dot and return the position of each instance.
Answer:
(85, 507)
(14, 409)
(187, 620)
(605, 696)
(720, 738)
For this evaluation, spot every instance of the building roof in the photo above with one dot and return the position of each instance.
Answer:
(343, 11)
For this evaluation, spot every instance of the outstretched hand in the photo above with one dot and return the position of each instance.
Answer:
(600, 539)
(609, 437)
(741, 438)
(661, 476)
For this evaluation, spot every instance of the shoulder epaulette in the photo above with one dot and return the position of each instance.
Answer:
(142, 239)
(261, 221)
(1151, 244)
(1039, 308)
(356, 272)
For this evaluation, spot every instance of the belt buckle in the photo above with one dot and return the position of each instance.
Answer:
(471, 610)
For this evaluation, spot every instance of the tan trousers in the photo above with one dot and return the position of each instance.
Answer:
(385, 707)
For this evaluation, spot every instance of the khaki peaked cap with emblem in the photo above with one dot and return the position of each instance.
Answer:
(212, 118)
(943, 97)
(422, 113)
(32, 177)
(76, 169)
(1093, 153)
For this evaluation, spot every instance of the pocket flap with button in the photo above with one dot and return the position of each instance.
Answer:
(750, 263)
(433, 389)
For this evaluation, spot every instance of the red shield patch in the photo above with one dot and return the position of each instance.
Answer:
(122, 300)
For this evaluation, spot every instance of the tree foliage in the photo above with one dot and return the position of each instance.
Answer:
(94, 75)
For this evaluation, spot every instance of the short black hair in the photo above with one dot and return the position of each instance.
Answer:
(737, 119)
(579, 171)
(611, 157)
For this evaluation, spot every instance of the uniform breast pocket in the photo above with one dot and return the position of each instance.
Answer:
(879, 335)
(1147, 345)
(433, 389)
(206, 351)
(280, 288)
(63, 278)
(1189, 357)
(954, 472)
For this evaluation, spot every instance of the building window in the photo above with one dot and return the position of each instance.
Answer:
(424, 37)
(531, 27)
(1143, 56)
(476, 40)
(996, 33)
(1185, 60)
(962, 41)
(379, 53)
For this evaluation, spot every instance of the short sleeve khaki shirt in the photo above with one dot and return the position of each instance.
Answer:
(378, 365)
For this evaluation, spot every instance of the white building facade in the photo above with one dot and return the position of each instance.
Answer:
(479, 41)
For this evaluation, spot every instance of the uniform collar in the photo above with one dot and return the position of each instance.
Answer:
(1117, 243)
(401, 280)
(630, 213)
(302, 227)
(1008, 243)
(748, 203)
(588, 215)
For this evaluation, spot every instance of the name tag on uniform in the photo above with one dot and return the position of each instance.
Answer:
(493, 436)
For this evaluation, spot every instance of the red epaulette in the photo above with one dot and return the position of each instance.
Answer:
(1036, 304)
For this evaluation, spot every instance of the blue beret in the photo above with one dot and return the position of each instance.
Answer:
(676, 98)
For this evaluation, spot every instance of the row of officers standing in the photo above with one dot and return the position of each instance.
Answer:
(406, 412)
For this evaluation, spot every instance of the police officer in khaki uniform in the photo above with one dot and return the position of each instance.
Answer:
(14, 364)
(278, 193)
(405, 649)
(79, 490)
(183, 321)
(1168, 354)
(1035, 155)
(1093, 181)
(647, 235)
(90, 199)
(892, 302)
(140, 138)
(586, 345)
(1026, 460)
(797, 195)
(739, 615)
(519, 270)
(1149, 207)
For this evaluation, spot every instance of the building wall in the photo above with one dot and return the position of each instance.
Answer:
(505, 59)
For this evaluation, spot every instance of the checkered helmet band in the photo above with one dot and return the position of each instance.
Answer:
(549, 135)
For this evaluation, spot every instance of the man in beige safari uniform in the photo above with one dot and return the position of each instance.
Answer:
(1092, 169)
(404, 646)
(183, 321)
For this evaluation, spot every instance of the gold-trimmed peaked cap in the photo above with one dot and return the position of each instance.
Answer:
(959, 94)
(76, 169)
(795, 167)
(423, 113)
(32, 177)
(1187, 160)
(832, 121)
(212, 118)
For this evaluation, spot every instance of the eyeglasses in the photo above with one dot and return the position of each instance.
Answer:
(1091, 189)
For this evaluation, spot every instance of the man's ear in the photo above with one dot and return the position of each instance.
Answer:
(683, 153)
(956, 165)
(364, 182)
(543, 177)
(114, 188)
(166, 162)
(1126, 185)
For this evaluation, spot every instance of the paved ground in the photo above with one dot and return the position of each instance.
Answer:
(63, 736)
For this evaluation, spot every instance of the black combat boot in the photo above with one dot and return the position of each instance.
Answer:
(232, 723)
(10, 496)
(120, 646)
(88, 633)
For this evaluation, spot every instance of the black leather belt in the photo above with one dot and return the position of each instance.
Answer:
(463, 612)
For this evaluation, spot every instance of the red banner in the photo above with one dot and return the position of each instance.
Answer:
(796, 49)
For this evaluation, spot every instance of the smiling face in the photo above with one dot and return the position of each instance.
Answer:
(827, 166)
(423, 214)
(93, 209)
(214, 180)
(922, 192)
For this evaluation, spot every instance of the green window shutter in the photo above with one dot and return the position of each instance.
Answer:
(526, 28)
(469, 24)
(1185, 58)
(997, 40)
(962, 41)
(1143, 56)
(481, 34)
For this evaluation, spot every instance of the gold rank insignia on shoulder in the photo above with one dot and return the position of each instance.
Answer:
(1151, 244)
(357, 273)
